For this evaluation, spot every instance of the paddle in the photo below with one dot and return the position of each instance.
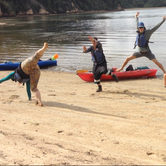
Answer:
(82, 71)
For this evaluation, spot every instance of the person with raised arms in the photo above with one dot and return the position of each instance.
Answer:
(142, 40)
(99, 62)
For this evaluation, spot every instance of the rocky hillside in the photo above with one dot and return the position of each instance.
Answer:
(30, 7)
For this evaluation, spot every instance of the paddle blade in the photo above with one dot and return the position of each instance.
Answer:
(82, 71)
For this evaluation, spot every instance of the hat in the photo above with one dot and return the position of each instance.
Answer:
(141, 25)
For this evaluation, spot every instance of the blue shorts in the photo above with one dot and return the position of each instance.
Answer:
(148, 55)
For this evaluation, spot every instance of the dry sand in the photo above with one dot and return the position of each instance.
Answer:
(123, 125)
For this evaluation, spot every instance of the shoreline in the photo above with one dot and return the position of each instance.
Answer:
(144, 8)
(72, 13)
(84, 12)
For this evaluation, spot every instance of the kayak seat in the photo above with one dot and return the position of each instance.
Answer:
(142, 67)
(129, 68)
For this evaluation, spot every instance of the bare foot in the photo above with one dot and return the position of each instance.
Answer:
(45, 45)
(37, 103)
(41, 105)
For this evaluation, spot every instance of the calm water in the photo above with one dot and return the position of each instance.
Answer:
(67, 34)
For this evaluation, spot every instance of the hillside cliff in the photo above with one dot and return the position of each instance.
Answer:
(30, 7)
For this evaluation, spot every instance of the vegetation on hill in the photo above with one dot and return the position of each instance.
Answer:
(142, 3)
(15, 7)
(21, 7)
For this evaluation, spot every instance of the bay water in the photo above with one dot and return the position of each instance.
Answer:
(66, 35)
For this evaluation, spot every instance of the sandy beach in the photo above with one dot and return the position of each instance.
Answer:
(123, 125)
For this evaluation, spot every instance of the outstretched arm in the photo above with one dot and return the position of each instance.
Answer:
(158, 25)
(11, 75)
(84, 49)
(136, 16)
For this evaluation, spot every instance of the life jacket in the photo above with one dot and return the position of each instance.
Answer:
(141, 41)
(98, 56)
(20, 76)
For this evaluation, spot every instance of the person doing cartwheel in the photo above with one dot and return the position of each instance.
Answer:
(29, 72)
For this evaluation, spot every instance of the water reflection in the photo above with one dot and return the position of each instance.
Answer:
(66, 35)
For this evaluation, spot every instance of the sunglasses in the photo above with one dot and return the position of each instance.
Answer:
(141, 27)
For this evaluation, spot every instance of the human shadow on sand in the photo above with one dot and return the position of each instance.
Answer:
(76, 108)
(138, 94)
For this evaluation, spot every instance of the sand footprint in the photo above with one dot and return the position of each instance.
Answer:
(10, 100)
(51, 94)
(151, 154)
(14, 97)
(7, 101)
(163, 157)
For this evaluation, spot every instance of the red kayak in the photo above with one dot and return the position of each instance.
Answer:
(88, 76)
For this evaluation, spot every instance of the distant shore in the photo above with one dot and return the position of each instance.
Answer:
(70, 13)
(83, 12)
(127, 9)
